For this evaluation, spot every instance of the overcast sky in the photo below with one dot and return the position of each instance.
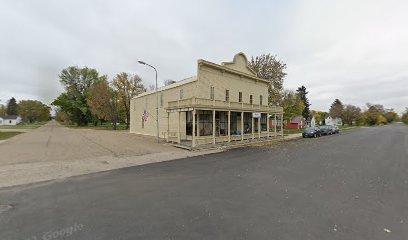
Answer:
(356, 51)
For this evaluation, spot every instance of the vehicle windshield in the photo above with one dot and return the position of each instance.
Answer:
(310, 129)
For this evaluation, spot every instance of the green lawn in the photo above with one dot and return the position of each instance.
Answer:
(24, 126)
(6, 135)
(292, 131)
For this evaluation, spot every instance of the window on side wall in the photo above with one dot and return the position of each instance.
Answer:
(227, 95)
(181, 93)
(260, 100)
(240, 97)
(251, 99)
(161, 100)
(212, 93)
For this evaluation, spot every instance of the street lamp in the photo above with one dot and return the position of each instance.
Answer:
(157, 100)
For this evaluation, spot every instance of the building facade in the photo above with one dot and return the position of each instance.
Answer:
(223, 103)
(10, 120)
(333, 121)
(295, 122)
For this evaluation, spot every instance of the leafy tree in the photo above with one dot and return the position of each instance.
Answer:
(302, 92)
(62, 117)
(102, 101)
(33, 111)
(373, 113)
(3, 110)
(267, 66)
(292, 104)
(404, 117)
(319, 116)
(12, 107)
(336, 109)
(391, 115)
(351, 114)
(381, 119)
(128, 86)
(73, 101)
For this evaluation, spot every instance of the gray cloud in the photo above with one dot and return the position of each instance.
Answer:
(352, 50)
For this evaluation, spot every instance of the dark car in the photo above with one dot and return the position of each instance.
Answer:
(334, 129)
(327, 130)
(312, 132)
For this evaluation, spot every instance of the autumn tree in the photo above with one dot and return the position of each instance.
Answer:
(73, 101)
(63, 117)
(374, 114)
(3, 110)
(12, 107)
(319, 116)
(302, 93)
(168, 82)
(292, 104)
(127, 86)
(390, 115)
(269, 67)
(351, 114)
(404, 117)
(33, 111)
(98, 99)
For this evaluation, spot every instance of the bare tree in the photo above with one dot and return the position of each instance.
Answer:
(168, 82)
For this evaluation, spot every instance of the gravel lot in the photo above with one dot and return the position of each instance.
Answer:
(53, 151)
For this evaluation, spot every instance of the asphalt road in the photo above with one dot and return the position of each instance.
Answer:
(348, 186)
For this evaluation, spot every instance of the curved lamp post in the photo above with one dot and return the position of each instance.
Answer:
(157, 100)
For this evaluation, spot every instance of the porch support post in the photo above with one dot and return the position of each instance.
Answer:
(194, 128)
(229, 126)
(267, 124)
(168, 126)
(276, 123)
(178, 128)
(259, 126)
(282, 124)
(242, 125)
(252, 126)
(213, 125)
(198, 123)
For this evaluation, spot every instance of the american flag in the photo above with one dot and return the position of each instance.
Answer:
(145, 115)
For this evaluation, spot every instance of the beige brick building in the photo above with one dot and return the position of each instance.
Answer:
(224, 103)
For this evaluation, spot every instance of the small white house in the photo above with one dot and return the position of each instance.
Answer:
(333, 121)
(313, 122)
(10, 120)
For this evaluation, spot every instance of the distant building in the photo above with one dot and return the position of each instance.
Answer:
(333, 121)
(223, 103)
(313, 122)
(296, 122)
(10, 120)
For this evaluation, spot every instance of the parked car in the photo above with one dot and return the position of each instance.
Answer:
(312, 132)
(334, 129)
(327, 130)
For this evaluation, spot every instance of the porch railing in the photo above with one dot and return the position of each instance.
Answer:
(202, 102)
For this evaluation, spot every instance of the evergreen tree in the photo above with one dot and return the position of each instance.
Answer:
(12, 107)
(336, 109)
(302, 92)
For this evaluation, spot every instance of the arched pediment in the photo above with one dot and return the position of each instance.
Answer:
(240, 63)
